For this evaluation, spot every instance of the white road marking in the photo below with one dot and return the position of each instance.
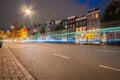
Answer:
(30, 48)
(40, 51)
(107, 67)
(107, 50)
(61, 56)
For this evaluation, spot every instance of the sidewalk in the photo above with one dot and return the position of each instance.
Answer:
(10, 67)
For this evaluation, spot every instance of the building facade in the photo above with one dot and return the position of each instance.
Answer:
(77, 24)
(2, 33)
(111, 37)
(93, 23)
(93, 19)
(71, 23)
(81, 26)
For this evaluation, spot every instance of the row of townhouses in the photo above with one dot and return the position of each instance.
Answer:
(76, 24)
(90, 21)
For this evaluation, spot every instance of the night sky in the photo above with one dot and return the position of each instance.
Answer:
(10, 10)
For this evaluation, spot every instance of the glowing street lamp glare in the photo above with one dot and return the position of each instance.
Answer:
(12, 27)
(28, 12)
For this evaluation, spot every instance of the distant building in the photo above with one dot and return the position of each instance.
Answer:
(71, 27)
(47, 26)
(52, 25)
(57, 22)
(71, 24)
(93, 19)
(81, 25)
(2, 33)
(65, 23)
(93, 23)
(112, 37)
(15, 25)
(20, 33)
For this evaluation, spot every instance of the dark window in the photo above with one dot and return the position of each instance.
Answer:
(84, 22)
(73, 25)
(117, 34)
(80, 23)
(73, 21)
(77, 24)
(89, 17)
(110, 35)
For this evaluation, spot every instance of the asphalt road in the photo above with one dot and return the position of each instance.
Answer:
(47, 61)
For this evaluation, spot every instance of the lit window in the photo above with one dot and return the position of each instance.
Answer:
(96, 15)
(84, 28)
(77, 30)
(81, 29)
(90, 22)
(71, 26)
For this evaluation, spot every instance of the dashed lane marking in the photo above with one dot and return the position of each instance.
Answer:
(107, 67)
(39, 50)
(58, 55)
(107, 50)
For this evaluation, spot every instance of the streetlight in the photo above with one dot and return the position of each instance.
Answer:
(28, 11)
(12, 27)
(35, 30)
(8, 31)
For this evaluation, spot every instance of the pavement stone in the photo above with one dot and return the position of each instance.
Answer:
(9, 70)
(7, 78)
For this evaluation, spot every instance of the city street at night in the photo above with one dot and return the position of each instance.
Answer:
(60, 40)
(53, 61)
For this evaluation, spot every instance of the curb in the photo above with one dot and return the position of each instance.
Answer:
(22, 68)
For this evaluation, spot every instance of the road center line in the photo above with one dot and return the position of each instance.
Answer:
(107, 67)
(39, 50)
(58, 55)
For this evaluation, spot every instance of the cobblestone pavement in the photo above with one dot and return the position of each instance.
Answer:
(9, 69)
